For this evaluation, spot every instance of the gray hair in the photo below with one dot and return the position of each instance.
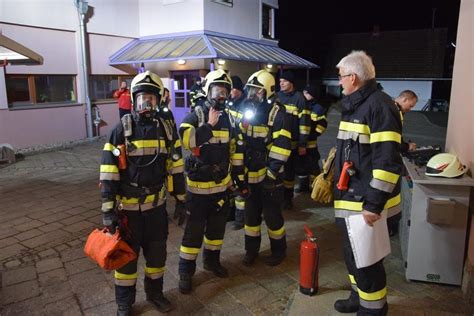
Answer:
(358, 63)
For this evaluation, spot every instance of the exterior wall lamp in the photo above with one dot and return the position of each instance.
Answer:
(181, 61)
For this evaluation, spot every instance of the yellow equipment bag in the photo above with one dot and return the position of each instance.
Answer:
(323, 184)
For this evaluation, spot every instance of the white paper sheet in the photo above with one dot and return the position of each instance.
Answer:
(369, 244)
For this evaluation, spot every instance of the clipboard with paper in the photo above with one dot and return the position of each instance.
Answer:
(369, 244)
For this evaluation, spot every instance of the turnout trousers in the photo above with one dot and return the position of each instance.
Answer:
(207, 220)
(268, 203)
(370, 282)
(148, 230)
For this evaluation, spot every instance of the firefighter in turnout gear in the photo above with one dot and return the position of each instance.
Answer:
(267, 138)
(369, 139)
(319, 123)
(215, 163)
(142, 152)
(299, 113)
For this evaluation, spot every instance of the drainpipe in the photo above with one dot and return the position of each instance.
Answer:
(82, 8)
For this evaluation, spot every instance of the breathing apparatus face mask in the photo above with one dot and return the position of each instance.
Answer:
(145, 104)
(217, 96)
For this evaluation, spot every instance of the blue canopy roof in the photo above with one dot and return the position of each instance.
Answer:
(205, 45)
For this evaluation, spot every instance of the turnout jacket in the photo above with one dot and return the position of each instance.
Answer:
(319, 122)
(369, 136)
(216, 159)
(267, 140)
(300, 117)
(153, 158)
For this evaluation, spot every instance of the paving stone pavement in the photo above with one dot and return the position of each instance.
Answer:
(50, 202)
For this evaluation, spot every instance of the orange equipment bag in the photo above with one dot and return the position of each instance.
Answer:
(108, 251)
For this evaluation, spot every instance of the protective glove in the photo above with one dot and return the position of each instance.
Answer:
(180, 212)
(111, 220)
(323, 184)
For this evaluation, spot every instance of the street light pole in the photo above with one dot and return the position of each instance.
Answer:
(82, 8)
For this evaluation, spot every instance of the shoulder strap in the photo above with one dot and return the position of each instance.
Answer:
(272, 114)
(200, 115)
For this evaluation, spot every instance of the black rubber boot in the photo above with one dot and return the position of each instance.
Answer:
(212, 263)
(275, 259)
(350, 305)
(249, 258)
(154, 294)
(185, 283)
(237, 225)
(302, 184)
(125, 297)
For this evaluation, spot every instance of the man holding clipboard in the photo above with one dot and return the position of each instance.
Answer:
(367, 171)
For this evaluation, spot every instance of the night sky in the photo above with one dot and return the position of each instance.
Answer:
(305, 27)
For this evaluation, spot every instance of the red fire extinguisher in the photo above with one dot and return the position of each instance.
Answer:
(309, 264)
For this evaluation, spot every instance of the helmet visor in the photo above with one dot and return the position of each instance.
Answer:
(254, 93)
(146, 102)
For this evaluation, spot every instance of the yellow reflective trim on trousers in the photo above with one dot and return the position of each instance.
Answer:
(277, 232)
(305, 129)
(109, 168)
(354, 127)
(385, 175)
(154, 270)
(357, 206)
(375, 296)
(320, 129)
(149, 143)
(109, 147)
(122, 276)
(280, 151)
(193, 251)
(215, 242)
(352, 279)
(385, 137)
(252, 228)
(240, 204)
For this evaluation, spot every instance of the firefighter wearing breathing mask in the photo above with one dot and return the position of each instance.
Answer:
(266, 130)
(142, 153)
(215, 164)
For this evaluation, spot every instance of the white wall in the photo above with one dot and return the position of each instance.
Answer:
(58, 49)
(101, 47)
(242, 19)
(159, 18)
(115, 17)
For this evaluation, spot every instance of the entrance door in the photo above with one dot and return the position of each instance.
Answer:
(182, 81)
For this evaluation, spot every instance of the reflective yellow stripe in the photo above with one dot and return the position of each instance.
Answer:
(282, 132)
(186, 125)
(270, 174)
(177, 143)
(238, 156)
(375, 296)
(170, 184)
(216, 242)
(154, 270)
(149, 143)
(354, 127)
(220, 133)
(259, 173)
(109, 168)
(357, 206)
(320, 129)
(209, 184)
(108, 205)
(393, 201)
(122, 276)
(305, 129)
(109, 147)
(385, 137)
(385, 175)
(307, 112)
(277, 232)
(252, 228)
(193, 251)
(177, 163)
(280, 150)
(353, 280)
